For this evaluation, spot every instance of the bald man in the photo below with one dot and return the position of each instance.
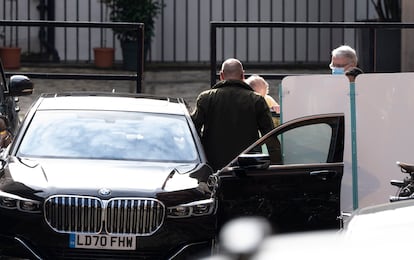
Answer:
(229, 116)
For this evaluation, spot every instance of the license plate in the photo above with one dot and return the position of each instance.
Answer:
(102, 242)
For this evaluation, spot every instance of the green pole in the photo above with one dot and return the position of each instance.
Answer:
(354, 146)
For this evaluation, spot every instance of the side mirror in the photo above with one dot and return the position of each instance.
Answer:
(20, 85)
(253, 161)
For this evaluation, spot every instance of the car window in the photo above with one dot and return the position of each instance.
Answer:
(301, 145)
(109, 135)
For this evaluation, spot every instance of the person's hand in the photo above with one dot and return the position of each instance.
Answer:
(276, 108)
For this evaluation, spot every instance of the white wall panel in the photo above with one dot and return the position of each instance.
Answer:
(385, 103)
(384, 125)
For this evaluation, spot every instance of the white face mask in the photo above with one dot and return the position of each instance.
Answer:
(338, 71)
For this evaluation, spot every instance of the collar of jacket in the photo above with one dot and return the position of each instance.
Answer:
(232, 82)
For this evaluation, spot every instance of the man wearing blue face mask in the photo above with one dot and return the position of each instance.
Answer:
(343, 59)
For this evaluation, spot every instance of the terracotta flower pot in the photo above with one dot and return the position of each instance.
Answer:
(10, 56)
(104, 57)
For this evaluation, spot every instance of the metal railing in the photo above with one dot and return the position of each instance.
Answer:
(371, 26)
(138, 27)
(182, 28)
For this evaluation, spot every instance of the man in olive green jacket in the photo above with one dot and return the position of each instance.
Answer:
(229, 116)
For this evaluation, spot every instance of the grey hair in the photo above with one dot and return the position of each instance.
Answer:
(345, 51)
(254, 80)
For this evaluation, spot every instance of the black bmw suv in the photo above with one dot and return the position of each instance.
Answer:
(117, 176)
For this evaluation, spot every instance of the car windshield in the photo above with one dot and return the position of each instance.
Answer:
(109, 135)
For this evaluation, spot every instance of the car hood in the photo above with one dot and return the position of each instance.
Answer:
(96, 174)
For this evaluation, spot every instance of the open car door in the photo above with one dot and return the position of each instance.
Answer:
(292, 176)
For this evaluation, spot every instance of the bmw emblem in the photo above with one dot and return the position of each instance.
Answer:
(104, 192)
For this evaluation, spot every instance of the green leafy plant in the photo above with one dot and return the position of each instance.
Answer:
(141, 11)
(388, 10)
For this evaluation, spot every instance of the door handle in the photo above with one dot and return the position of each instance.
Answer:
(323, 174)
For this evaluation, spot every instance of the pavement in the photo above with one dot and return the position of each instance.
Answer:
(162, 82)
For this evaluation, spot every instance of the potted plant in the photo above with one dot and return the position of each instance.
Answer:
(142, 11)
(104, 56)
(9, 54)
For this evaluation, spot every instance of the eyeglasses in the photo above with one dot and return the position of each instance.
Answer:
(331, 66)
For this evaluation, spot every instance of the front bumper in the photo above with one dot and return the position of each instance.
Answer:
(15, 247)
(177, 239)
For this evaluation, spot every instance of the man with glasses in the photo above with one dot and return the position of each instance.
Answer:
(344, 61)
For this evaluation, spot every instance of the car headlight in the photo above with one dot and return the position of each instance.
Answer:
(29, 206)
(196, 208)
(6, 202)
(10, 201)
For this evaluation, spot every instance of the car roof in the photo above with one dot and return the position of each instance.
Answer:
(111, 102)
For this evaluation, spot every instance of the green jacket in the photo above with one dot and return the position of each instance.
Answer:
(228, 118)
